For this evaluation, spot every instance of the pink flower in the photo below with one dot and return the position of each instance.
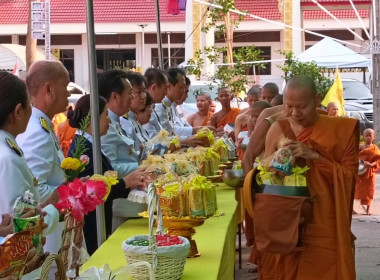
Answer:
(81, 198)
(85, 159)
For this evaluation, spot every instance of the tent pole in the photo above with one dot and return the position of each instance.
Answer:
(94, 98)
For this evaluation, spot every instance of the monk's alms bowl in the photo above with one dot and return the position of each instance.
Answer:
(362, 168)
(233, 177)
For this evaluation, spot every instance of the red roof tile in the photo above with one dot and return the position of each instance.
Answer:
(338, 13)
(74, 11)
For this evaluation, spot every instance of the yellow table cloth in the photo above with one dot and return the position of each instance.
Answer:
(215, 241)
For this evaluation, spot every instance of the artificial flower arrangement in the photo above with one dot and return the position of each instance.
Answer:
(79, 198)
(74, 165)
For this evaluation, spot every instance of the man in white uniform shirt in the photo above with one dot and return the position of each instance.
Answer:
(128, 121)
(47, 83)
(116, 144)
(166, 114)
(157, 86)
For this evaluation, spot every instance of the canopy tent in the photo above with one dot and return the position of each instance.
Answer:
(331, 54)
(12, 53)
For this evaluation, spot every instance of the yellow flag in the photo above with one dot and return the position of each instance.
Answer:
(335, 94)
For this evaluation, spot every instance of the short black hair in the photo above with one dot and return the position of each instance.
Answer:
(155, 76)
(111, 81)
(136, 79)
(12, 92)
(187, 80)
(148, 102)
(173, 75)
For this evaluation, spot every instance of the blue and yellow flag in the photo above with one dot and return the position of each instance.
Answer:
(335, 94)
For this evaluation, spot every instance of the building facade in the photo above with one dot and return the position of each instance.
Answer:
(121, 25)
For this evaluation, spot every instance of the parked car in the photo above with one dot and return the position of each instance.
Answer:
(76, 92)
(198, 86)
(358, 102)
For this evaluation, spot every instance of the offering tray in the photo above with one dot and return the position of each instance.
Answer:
(216, 178)
(184, 227)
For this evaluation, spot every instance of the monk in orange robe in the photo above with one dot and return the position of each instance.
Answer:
(365, 183)
(65, 135)
(227, 114)
(330, 148)
(202, 117)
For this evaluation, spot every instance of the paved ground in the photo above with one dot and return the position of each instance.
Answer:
(365, 228)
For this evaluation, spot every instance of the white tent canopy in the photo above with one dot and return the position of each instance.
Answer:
(12, 53)
(331, 54)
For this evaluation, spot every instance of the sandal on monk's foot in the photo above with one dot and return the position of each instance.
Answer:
(253, 270)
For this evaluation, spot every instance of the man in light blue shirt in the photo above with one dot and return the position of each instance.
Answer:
(128, 121)
(47, 84)
(157, 86)
(116, 145)
(166, 114)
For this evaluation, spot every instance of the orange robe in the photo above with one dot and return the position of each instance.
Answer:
(58, 120)
(365, 184)
(229, 118)
(66, 135)
(328, 241)
(207, 118)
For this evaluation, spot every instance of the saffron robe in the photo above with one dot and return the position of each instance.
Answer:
(207, 118)
(328, 241)
(66, 135)
(365, 184)
(229, 118)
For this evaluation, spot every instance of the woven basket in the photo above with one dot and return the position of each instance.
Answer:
(46, 267)
(168, 262)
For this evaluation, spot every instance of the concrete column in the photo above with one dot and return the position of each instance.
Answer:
(207, 40)
(81, 59)
(15, 39)
(189, 29)
(297, 38)
(139, 54)
(288, 19)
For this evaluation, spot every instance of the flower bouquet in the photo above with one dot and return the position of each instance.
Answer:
(76, 164)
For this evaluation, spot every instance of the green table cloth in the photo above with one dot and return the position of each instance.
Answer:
(215, 241)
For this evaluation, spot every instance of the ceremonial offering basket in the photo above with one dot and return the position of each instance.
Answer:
(168, 262)
(186, 228)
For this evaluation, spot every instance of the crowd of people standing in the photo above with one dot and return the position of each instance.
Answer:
(133, 108)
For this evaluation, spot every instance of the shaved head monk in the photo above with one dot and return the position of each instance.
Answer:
(269, 91)
(227, 114)
(202, 117)
(330, 148)
(241, 123)
(366, 182)
(333, 109)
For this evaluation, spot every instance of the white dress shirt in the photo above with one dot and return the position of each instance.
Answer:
(181, 126)
(119, 148)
